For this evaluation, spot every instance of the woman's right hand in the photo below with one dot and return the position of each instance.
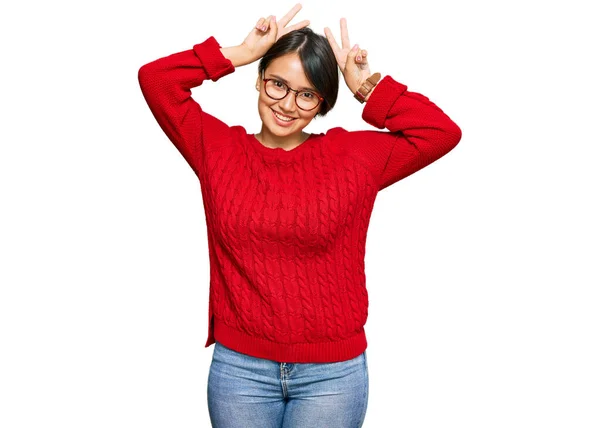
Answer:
(268, 31)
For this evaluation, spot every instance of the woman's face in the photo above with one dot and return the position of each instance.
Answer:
(288, 69)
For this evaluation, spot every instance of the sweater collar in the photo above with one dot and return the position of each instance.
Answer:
(279, 154)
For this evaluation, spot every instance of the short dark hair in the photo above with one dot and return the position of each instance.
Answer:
(318, 62)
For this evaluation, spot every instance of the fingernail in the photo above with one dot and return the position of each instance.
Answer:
(359, 58)
(355, 47)
(264, 28)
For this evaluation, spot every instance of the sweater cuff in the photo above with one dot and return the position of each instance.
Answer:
(213, 60)
(381, 101)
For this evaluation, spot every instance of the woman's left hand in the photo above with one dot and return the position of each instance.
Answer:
(352, 61)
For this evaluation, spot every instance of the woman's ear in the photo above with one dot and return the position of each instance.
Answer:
(258, 83)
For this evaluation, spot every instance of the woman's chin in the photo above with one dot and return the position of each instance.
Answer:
(281, 132)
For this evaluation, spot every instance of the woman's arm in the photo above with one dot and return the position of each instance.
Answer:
(419, 131)
(238, 55)
(166, 84)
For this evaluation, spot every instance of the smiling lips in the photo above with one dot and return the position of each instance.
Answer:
(282, 119)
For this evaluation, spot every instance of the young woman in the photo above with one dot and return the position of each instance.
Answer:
(287, 214)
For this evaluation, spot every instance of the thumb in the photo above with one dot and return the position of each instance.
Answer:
(273, 30)
(351, 59)
(272, 23)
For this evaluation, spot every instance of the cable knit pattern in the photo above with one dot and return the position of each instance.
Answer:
(287, 228)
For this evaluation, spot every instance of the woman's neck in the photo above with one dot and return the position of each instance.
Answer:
(287, 142)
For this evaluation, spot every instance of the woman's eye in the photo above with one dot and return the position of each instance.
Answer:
(308, 95)
(278, 83)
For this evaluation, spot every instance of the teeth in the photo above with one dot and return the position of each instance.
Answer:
(286, 119)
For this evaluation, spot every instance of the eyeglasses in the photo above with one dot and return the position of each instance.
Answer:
(305, 99)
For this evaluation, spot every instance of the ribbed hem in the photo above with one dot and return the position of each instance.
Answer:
(321, 352)
(381, 101)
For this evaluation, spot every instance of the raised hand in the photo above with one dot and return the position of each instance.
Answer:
(268, 31)
(352, 61)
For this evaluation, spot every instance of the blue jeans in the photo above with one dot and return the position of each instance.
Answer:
(250, 392)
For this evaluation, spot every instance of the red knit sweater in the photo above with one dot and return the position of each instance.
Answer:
(287, 228)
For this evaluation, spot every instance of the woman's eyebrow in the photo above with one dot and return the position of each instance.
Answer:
(287, 83)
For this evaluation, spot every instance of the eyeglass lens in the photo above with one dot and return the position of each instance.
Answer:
(306, 100)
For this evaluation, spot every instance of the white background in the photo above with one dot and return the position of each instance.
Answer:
(482, 268)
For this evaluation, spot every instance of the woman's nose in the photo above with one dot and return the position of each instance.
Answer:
(288, 103)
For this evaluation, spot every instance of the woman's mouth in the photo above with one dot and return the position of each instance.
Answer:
(282, 120)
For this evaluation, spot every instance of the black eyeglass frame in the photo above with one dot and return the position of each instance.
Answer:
(296, 92)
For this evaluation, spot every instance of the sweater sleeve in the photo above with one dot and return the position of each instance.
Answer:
(419, 133)
(166, 84)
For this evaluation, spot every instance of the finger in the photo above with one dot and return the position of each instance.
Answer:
(344, 30)
(353, 54)
(288, 16)
(264, 24)
(269, 23)
(331, 39)
(260, 24)
(299, 25)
